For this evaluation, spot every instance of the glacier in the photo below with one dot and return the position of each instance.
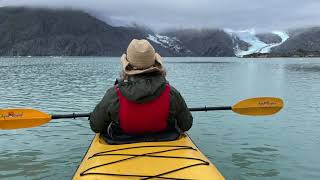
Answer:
(257, 46)
(283, 35)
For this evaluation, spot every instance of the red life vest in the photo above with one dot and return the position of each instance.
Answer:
(148, 117)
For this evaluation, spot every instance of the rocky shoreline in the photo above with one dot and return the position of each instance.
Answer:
(297, 53)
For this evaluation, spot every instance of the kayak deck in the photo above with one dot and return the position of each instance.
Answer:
(179, 159)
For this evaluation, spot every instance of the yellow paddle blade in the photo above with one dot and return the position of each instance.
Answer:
(22, 118)
(260, 106)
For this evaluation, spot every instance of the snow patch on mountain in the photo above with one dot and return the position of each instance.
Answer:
(256, 46)
(166, 42)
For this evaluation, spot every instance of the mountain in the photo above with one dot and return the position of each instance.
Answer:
(301, 40)
(44, 32)
(172, 43)
(206, 42)
(269, 38)
(48, 32)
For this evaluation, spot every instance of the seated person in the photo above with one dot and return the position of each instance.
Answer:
(142, 101)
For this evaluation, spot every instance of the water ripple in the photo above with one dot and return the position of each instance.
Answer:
(284, 146)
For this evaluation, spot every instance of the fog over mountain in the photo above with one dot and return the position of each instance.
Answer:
(84, 29)
(47, 32)
(165, 14)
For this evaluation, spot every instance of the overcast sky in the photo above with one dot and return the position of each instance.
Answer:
(159, 15)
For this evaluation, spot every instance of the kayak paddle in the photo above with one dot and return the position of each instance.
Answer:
(25, 118)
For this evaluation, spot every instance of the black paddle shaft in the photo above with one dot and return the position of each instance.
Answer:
(211, 108)
(74, 115)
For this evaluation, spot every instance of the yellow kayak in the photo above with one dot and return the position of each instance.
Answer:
(179, 159)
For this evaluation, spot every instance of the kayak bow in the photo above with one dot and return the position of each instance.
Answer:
(179, 159)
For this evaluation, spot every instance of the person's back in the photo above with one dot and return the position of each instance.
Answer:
(142, 101)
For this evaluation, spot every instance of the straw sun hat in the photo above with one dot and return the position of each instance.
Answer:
(141, 58)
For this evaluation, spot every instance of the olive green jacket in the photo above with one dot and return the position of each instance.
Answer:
(140, 89)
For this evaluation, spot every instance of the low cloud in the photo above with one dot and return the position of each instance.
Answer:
(164, 14)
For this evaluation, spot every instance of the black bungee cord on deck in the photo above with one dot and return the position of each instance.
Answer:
(201, 162)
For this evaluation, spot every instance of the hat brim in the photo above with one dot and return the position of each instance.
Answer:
(157, 67)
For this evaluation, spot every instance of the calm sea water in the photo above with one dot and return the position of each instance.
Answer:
(283, 146)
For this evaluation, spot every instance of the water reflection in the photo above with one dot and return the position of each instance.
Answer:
(22, 164)
(257, 161)
(305, 67)
(198, 62)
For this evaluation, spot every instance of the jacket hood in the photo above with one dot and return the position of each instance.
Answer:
(142, 88)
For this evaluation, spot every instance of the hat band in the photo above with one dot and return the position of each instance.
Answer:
(130, 66)
(137, 68)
